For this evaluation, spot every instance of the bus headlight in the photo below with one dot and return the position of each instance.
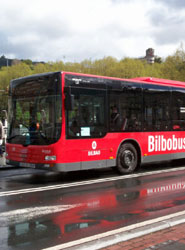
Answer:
(50, 158)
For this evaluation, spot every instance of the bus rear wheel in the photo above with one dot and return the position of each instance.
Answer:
(127, 159)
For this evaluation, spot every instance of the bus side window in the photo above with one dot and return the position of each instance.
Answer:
(156, 103)
(128, 104)
(178, 109)
(88, 114)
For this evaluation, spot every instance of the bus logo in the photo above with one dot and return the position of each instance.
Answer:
(94, 151)
(94, 145)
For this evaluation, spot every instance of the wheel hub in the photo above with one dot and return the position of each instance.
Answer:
(128, 158)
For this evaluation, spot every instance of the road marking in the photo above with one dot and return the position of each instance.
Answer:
(89, 182)
(125, 230)
(25, 214)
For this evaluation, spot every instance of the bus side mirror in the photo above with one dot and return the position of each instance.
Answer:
(69, 99)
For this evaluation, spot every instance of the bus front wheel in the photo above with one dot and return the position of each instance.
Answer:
(127, 159)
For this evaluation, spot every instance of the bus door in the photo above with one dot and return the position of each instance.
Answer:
(86, 123)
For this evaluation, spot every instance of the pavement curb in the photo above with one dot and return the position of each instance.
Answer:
(125, 235)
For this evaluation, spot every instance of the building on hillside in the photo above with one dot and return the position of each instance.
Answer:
(5, 62)
(149, 57)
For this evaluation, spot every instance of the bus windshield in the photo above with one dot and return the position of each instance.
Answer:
(35, 109)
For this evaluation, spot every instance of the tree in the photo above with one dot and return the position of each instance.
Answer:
(174, 66)
(157, 59)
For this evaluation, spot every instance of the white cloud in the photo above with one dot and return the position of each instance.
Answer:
(83, 29)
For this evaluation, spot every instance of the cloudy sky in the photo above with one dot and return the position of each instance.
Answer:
(74, 30)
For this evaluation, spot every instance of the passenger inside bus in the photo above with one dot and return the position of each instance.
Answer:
(133, 124)
(74, 129)
(115, 117)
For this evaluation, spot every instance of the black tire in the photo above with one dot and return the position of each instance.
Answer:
(127, 159)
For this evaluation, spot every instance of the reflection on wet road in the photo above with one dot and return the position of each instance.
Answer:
(52, 217)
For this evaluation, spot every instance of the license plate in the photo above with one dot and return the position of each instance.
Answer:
(26, 165)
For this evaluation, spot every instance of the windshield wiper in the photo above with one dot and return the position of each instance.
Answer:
(13, 136)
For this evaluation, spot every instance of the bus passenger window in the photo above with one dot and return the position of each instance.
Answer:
(125, 110)
(178, 109)
(156, 103)
(88, 115)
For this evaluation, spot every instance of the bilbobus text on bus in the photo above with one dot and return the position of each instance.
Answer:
(66, 121)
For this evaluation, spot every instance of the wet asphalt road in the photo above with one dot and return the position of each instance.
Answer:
(39, 209)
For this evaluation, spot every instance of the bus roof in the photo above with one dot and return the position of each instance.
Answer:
(160, 81)
(147, 80)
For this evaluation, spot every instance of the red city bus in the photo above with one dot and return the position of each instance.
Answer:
(66, 121)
